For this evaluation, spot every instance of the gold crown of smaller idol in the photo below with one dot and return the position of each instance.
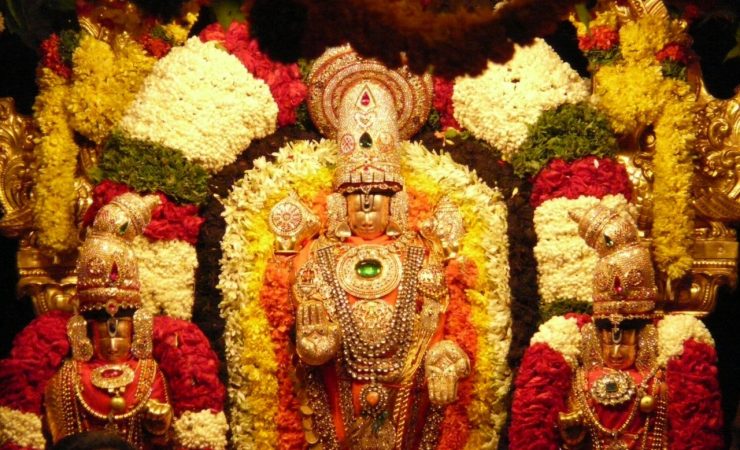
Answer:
(624, 279)
(368, 109)
(107, 269)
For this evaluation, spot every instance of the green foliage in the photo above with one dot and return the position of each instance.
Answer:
(160, 33)
(569, 132)
(562, 307)
(69, 40)
(672, 69)
(598, 58)
(149, 167)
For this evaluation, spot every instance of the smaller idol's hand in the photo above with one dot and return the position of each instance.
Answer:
(317, 337)
(445, 364)
(157, 417)
(572, 429)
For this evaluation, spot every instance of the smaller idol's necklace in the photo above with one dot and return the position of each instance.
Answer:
(113, 378)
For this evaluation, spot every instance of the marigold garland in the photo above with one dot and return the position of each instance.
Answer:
(306, 168)
(56, 155)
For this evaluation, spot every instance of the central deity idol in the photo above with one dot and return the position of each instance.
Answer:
(369, 292)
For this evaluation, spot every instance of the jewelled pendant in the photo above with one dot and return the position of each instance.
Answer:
(613, 388)
(369, 268)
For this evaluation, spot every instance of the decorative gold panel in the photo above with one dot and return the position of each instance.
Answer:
(16, 161)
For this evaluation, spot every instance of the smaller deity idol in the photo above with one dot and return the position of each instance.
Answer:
(616, 382)
(370, 293)
(111, 382)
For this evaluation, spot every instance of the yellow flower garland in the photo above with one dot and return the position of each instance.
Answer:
(307, 168)
(56, 154)
(634, 94)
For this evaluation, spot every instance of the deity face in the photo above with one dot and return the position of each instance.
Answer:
(111, 338)
(618, 347)
(368, 215)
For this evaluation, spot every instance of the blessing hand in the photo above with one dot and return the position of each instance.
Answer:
(317, 337)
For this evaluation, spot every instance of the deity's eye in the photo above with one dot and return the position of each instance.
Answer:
(609, 242)
(365, 140)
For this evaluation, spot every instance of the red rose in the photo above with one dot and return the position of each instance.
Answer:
(674, 52)
(586, 176)
(600, 37)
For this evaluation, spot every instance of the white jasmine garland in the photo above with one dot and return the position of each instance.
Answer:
(202, 101)
(565, 263)
(167, 276)
(674, 330)
(563, 336)
(202, 429)
(22, 429)
(498, 105)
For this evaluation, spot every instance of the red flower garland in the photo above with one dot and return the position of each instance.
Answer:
(275, 299)
(586, 176)
(284, 80)
(51, 58)
(38, 353)
(581, 319)
(542, 388)
(460, 276)
(694, 410)
(169, 220)
(442, 102)
(155, 46)
(674, 52)
(600, 37)
(189, 365)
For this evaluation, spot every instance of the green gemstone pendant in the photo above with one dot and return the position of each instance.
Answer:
(368, 268)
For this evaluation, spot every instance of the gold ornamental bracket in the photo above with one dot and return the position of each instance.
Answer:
(17, 135)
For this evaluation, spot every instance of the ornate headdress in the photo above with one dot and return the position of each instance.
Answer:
(107, 269)
(624, 279)
(368, 109)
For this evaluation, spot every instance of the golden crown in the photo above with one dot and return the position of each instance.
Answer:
(107, 269)
(368, 109)
(624, 279)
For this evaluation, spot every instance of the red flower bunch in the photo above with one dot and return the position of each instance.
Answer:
(442, 102)
(694, 409)
(581, 319)
(586, 176)
(460, 276)
(155, 46)
(169, 220)
(38, 353)
(674, 52)
(600, 37)
(284, 80)
(189, 365)
(275, 299)
(542, 388)
(52, 58)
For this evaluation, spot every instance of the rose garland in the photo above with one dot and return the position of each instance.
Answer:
(203, 102)
(564, 261)
(685, 350)
(285, 81)
(306, 168)
(499, 105)
(635, 94)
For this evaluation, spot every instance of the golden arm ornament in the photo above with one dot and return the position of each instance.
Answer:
(445, 363)
(444, 229)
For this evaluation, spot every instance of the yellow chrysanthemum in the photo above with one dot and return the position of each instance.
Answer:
(105, 81)
(642, 39)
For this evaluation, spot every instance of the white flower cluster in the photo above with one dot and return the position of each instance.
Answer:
(19, 428)
(498, 105)
(565, 264)
(563, 336)
(202, 429)
(202, 101)
(674, 330)
(167, 275)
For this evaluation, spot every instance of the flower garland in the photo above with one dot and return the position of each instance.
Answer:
(500, 104)
(21, 429)
(589, 176)
(562, 335)
(148, 167)
(203, 102)
(568, 132)
(307, 168)
(564, 261)
(56, 153)
(675, 330)
(443, 104)
(201, 430)
(634, 93)
(285, 81)
(167, 276)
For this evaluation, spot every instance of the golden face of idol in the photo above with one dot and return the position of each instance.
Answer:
(368, 215)
(111, 338)
(618, 347)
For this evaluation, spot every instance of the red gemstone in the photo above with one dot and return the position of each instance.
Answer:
(365, 100)
(114, 273)
(618, 286)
